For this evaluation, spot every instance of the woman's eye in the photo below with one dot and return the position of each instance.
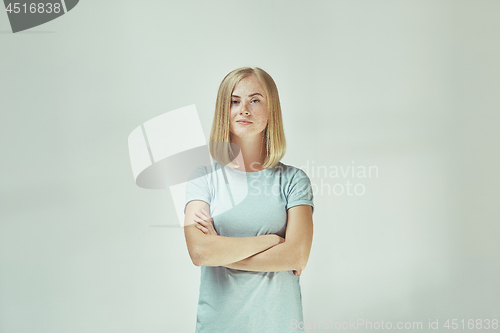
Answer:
(234, 102)
(255, 101)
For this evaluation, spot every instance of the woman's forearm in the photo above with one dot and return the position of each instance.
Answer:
(282, 257)
(220, 251)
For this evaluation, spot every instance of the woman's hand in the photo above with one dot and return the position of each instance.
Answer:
(205, 223)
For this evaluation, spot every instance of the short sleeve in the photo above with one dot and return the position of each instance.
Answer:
(197, 187)
(300, 191)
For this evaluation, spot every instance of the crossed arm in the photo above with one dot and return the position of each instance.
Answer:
(266, 253)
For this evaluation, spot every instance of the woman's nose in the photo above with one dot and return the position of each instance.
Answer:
(244, 108)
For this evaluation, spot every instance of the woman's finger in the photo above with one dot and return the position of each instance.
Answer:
(204, 216)
(202, 228)
(204, 224)
(200, 215)
(207, 223)
(205, 212)
(200, 220)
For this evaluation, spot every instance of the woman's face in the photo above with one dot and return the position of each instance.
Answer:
(248, 103)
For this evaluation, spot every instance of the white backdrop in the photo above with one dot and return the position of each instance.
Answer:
(407, 87)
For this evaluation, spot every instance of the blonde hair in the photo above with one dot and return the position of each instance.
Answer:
(220, 143)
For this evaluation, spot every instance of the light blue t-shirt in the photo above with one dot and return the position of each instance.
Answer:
(244, 204)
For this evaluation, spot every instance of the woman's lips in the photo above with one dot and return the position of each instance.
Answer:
(244, 122)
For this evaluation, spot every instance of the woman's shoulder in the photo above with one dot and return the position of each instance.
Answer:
(203, 171)
(207, 168)
(290, 170)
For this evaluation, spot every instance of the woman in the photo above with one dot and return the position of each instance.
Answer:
(248, 220)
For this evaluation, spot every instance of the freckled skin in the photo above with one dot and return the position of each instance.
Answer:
(252, 108)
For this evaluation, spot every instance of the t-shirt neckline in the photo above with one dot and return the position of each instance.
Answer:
(248, 173)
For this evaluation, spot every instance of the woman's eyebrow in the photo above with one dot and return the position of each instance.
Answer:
(255, 94)
(236, 96)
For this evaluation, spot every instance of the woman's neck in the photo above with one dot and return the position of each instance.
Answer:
(252, 153)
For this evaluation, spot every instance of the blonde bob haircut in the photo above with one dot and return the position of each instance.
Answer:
(220, 145)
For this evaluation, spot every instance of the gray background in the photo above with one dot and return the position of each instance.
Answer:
(408, 86)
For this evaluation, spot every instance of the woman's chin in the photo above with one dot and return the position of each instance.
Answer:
(245, 134)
